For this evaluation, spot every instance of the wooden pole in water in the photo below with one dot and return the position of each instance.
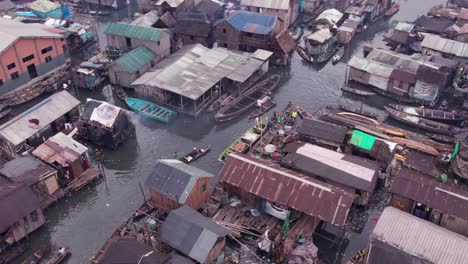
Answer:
(142, 192)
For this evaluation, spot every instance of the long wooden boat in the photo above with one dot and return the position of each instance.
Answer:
(59, 258)
(422, 123)
(359, 118)
(220, 102)
(433, 114)
(12, 253)
(36, 256)
(150, 110)
(304, 113)
(357, 91)
(120, 92)
(191, 157)
(416, 145)
(244, 143)
(357, 111)
(265, 108)
(247, 100)
(392, 10)
(441, 147)
(441, 138)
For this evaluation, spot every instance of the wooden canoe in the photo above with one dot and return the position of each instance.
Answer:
(422, 123)
(357, 111)
(12, 253)
(304, 55)
(120, 92)
(59, 258)
(220, 102)
(359, 118)
(36, 256)
(357, 91)
(392, 10)
(441, 138)
(248, 99)
(191, 157)
(415, 145)
(265, 108)
(304, 113)
(433, 114)
(150, 110)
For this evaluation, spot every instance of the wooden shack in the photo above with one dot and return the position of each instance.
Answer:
(322, 133)
(21, 212)
(346, 32)
(172, 183)
(401, 32)
(104, 124)
(194, 28)
(30, 171)
(194, 235)
(319, 41)
(66, 154)
(131, 66)
(38, 123)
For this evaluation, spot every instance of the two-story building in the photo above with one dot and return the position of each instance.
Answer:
(287, 11)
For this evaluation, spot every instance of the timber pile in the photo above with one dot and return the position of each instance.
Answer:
(236, 220)
(214, 201)
(304, 227)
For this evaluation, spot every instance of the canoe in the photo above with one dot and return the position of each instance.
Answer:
(150, 110)
(119, 91)
(359, 118)
(357, 91)
(220, 102)
(357, 111)
(12, 253)
(415, 145)
(243, 143)
(304, 113)
(36, 256)
(304, 55)
(392, 10)
(443, 148)
(265, 108)
(433, 114)
(58, 258)
(441, 138)
(422, 123)
(248, 99)
(191, 157)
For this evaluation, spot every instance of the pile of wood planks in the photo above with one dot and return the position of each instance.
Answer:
(304, 227)
(236, 219)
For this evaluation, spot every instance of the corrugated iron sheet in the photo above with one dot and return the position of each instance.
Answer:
(252, 22)
(443, 45)
(19, 128)
(427, 189)
(171, 3)
(270, 4)
(330, 15)
(61, 149)
(287, 188)
(419, 238)
(404, 26)
(132, 31)
(136, 59)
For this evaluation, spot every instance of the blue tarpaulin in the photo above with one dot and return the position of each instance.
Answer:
(26, 14)
(252, 22)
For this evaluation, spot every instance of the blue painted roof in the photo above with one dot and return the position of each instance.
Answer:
(252, 22)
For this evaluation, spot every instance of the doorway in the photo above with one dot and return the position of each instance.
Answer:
(32, 71)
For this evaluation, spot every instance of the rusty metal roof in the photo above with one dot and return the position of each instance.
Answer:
(60, 148)
(450, 199)
(287, 188)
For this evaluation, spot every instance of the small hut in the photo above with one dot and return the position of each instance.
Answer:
(173, 183)
(194, 235)
(104, 124)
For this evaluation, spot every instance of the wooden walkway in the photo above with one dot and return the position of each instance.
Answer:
(86, 177)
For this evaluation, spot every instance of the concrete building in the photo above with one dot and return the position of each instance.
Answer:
(131, 66)
(191, 78)
(27, 51)
(125, 37)
(287, 11)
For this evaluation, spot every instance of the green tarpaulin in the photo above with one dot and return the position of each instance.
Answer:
(455, 151)
(362, 140)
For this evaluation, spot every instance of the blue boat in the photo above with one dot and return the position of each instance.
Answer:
(150, 110)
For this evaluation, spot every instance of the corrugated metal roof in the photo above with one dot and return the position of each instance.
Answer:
(320, 129)
(60, 148)
(321, 36)
(171, 3)
(262, 54)
(25, 169)
(11, 30)
(194, 69)
(437, 43)
(146, 20)
(19, 128)
(404, 26)
(463, 14)
(428, 190)
(191, 233)
(270, 4)
(132, 31)
(330, 15)
(371, 67)
(136, 59)
(287, 188)
(174, 179)
(419, 238)
(43, 6)
(252, 22)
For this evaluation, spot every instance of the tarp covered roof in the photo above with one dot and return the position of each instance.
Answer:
(43, 6)
(136, 59)
(417, 237)
(101, 112)
(252, 22)
(174, 179)
(19, 128)
(262, 178)
(194, 69)
(191, 233)
(270, 4)
(132, 31)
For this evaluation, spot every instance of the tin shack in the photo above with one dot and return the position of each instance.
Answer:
(104, 124)
(192, 78)
(399, 237)
(172, 183)
(339, 169)
(34, 126)
(194, 235)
